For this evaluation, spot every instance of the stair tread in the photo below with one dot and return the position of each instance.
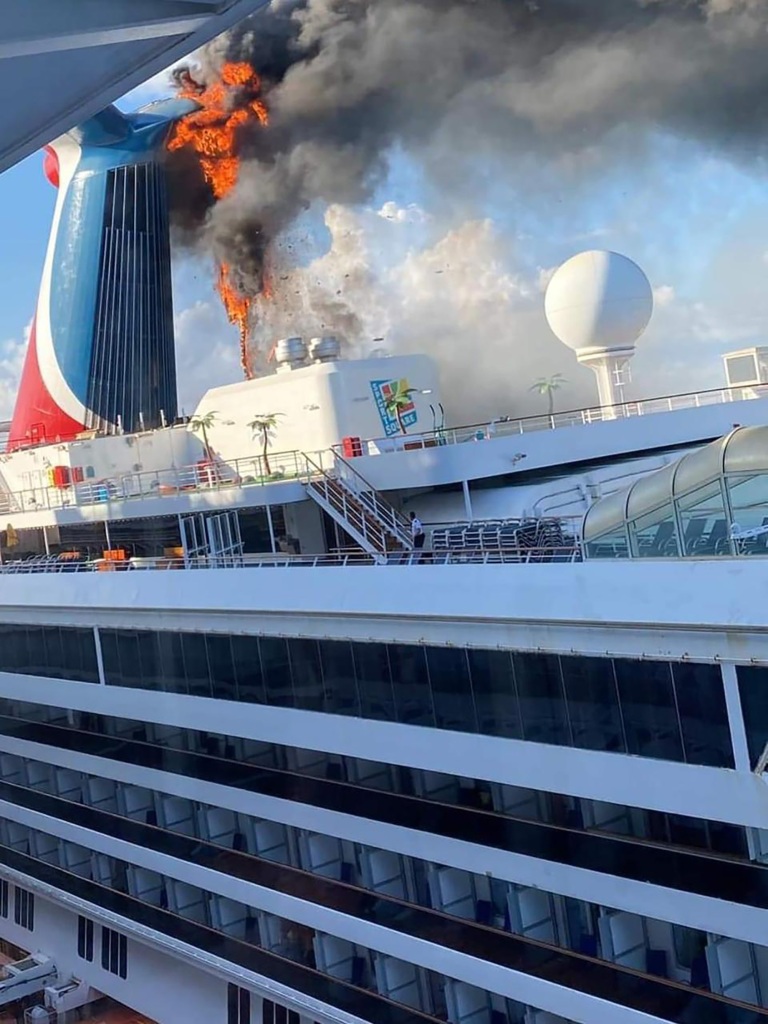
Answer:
(371, 530)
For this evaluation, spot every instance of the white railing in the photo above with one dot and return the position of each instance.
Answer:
(203, 476)
(368, 496)
(283, 466)
(351, 513)
(339, 500)
(536, 556)
(508, 427)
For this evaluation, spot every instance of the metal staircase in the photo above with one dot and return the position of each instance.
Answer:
(8, 501)
(358, 508)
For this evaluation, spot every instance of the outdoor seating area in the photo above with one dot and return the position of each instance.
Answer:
(505, 535)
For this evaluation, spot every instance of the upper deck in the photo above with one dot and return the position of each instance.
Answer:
(506, 426)
(184, 480)
(171, 476)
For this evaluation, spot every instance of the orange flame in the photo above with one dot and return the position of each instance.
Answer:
(211, 130)
(224, 107)
(238, 307)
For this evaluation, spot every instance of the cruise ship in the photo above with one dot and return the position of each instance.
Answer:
(266, 758)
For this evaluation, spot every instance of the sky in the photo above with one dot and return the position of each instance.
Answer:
(456, 281)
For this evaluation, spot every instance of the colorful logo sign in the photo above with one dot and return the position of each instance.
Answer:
(395, 405)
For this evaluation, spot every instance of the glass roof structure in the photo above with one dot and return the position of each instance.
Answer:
(711, 502)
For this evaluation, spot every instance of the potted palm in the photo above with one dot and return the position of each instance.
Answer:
(263, 427)
(548, 386)
(201, 425)
(207, 467)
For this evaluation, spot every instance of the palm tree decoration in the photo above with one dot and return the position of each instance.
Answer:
(264, 426)
(398, 400)
(201, 425)
(548, 386)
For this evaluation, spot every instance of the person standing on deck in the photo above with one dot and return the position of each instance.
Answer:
(417, 532)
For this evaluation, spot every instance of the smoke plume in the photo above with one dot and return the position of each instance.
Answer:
(571, 84)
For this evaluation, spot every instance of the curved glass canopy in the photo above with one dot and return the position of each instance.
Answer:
(713, 501)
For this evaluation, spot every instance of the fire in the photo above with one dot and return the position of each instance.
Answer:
(211, 131)
(225, 106)
(238, 307)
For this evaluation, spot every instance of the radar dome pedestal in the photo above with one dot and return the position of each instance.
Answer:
(598, 304)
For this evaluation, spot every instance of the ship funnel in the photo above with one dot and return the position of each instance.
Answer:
(325, 350)
(101, 351)
(290, 353)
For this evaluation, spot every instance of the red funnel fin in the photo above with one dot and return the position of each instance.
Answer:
(51, 166)
(37, 418)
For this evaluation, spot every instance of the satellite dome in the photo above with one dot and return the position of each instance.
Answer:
(599, 300)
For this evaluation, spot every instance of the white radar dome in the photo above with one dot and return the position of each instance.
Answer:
(599, 300)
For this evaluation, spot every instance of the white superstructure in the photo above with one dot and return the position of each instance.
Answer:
(261, 761)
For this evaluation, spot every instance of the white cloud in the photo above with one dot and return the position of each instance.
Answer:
(471, 294)
(683, 346)
(411, 214)
(466, 302)
(663, 296)
(12, 352)
(338, 293)
(207, 352)
(543, 278)
(459, 297)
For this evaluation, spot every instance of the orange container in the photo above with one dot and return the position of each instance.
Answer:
(116, 555)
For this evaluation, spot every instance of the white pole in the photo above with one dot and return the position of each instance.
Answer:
(45, 541)
(271, 530)
(467, 500)
(183, 542)
(173, 449)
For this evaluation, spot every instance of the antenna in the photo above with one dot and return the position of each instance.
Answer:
(598, 304)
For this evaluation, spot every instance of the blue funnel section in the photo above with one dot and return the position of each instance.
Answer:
(121, 205)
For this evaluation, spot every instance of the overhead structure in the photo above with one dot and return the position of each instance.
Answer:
(712, 501)
(598, 304)
(62, 61)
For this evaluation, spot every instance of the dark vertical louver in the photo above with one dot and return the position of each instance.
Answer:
(133, 368)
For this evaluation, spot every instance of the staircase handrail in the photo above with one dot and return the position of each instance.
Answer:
(355, 518)
(368, 495)
(311, 468)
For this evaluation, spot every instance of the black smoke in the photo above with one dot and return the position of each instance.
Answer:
(449, 80)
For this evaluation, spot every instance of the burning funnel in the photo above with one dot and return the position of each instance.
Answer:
(101, 352)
